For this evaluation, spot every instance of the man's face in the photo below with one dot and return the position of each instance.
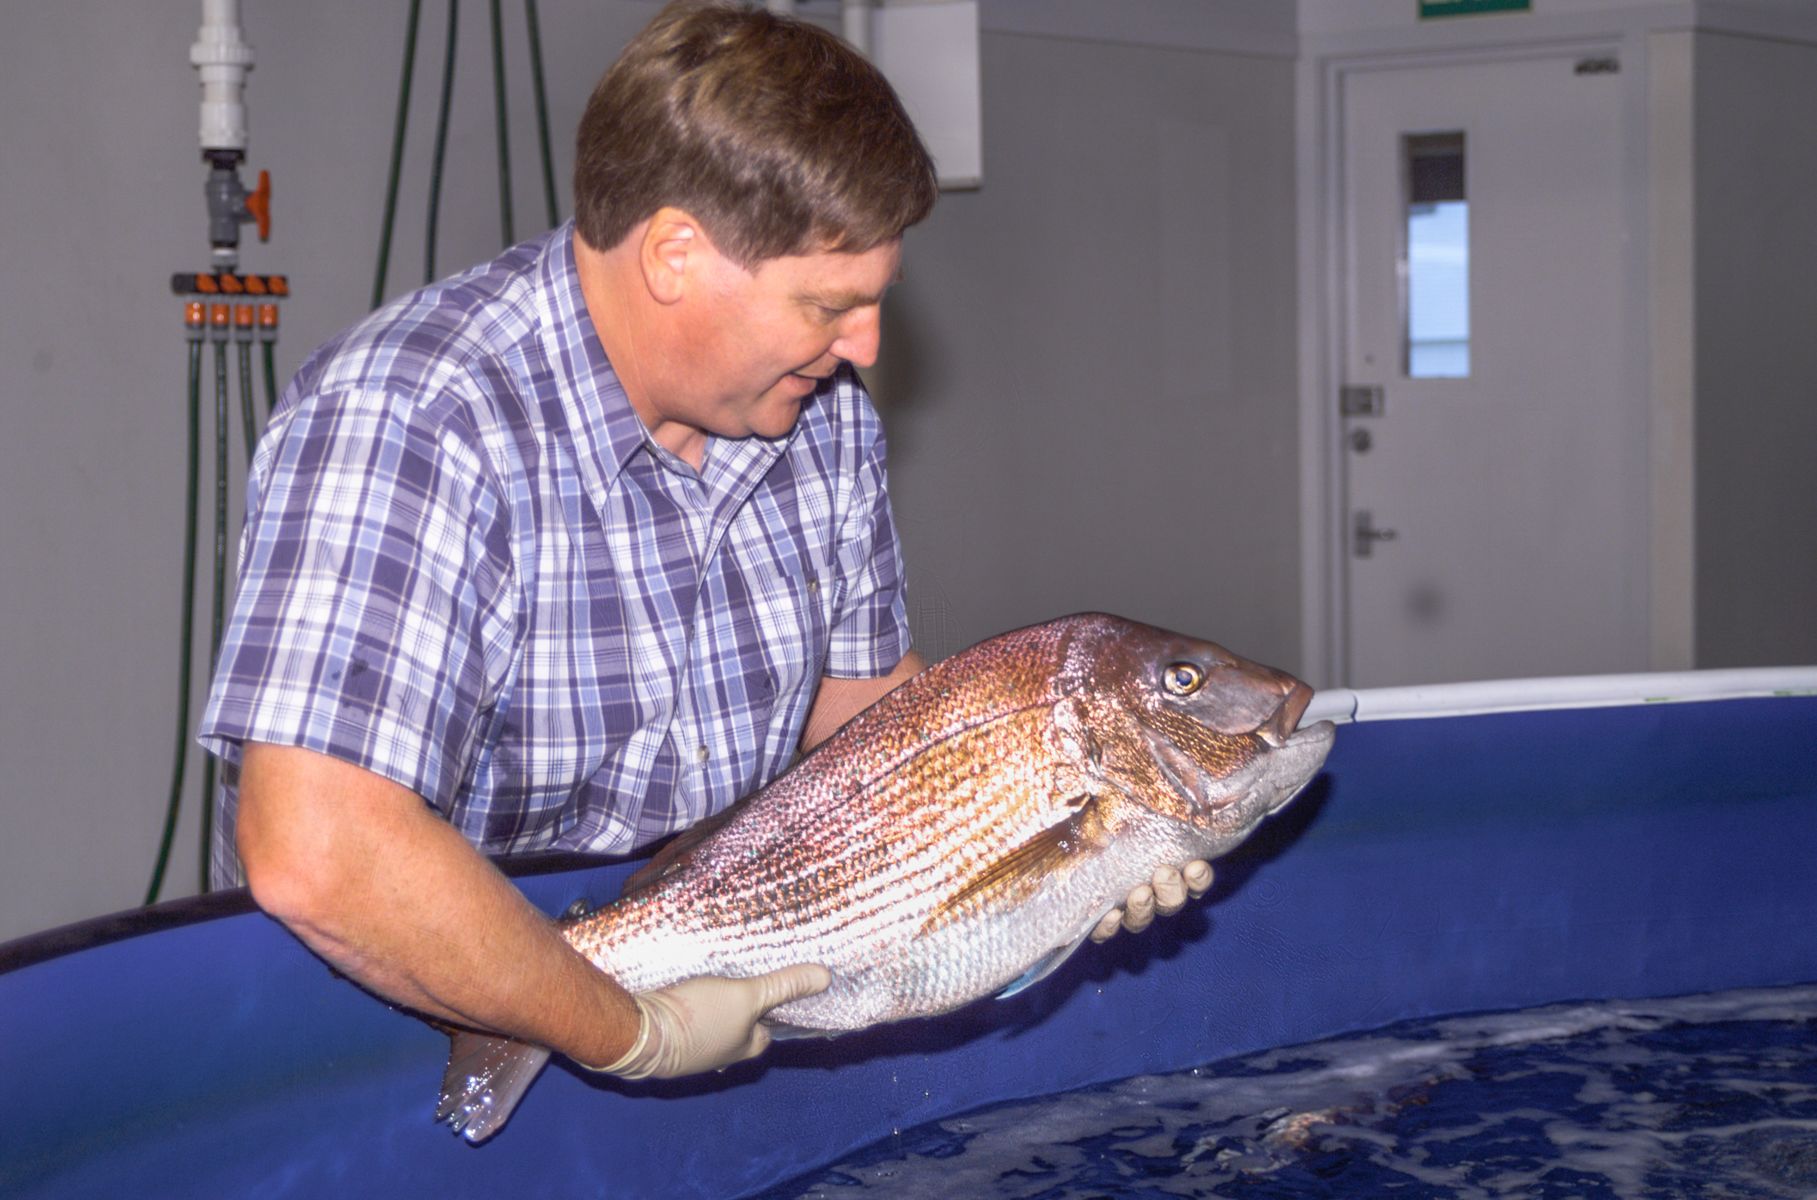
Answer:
(761, 341)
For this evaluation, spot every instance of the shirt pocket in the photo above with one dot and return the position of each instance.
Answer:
(794, 628)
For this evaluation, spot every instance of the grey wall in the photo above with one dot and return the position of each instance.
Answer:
(1088, 375)
(1089, 379)
(1756, 351)
(100, 190)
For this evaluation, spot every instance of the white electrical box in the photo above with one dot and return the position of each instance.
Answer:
(929, 53)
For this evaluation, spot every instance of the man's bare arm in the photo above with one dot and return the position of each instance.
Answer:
(839, 700)
(372, 880)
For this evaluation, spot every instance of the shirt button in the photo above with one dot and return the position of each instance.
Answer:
(701, 754)
(814, 585)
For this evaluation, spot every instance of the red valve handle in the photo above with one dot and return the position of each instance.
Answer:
(258, 203)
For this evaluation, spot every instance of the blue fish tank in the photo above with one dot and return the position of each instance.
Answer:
(1602, 853)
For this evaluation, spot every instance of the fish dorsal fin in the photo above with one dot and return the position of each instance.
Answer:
(1020, 873)
(1047, 965)
(486, 1077)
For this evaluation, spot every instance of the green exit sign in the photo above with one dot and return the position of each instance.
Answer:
(1430, 9)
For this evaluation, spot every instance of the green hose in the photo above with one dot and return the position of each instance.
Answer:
(542, 110)
(248, 416)
(271, 377)
(208, 820)
(219, 605)
(187, 643)
(441, 144)
(504, 123)
(397, 152)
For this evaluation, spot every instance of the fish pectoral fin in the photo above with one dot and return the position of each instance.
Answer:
(485, 1079)
(1047, 965)
(1020, 873)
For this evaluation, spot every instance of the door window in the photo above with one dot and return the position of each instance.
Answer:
(1436, 263)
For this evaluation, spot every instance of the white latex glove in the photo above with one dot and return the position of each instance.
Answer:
(1165, 894)
(708, 1023)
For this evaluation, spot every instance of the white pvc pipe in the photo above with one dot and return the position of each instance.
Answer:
(222, 58)
(1573, 691)
(854, 20)
(855, 24)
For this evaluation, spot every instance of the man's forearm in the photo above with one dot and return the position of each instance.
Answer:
(837, 701)
(393, 897)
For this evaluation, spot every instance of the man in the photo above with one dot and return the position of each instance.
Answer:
(578, 547)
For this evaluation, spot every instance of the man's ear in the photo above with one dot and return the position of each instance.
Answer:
(672, 254)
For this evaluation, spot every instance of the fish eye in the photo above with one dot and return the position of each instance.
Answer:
(1182, 678)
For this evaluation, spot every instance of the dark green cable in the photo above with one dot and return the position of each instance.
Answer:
(271, 377)
(208, 820)
(248, 416)
(441, 143)
(542, 110)
(397, 152)
(219, 604)
(187, 642)
(504, 123)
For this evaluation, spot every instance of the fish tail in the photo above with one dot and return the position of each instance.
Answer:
(485, 1079)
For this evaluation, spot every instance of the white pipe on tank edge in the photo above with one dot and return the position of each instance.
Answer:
(1571, 691)
(222, 58)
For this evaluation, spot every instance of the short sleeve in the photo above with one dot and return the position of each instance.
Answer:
(870, 631)
(374, 610)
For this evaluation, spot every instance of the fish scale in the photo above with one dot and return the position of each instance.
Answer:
(961, 835)
(865, 888)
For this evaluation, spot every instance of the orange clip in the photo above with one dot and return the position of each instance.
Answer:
(207, 285)
(194, 314)
(268, 316)
(242, 316)
(220, 315)
(232, 284)
(279, 284)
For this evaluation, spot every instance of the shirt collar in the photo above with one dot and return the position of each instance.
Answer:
(587, 397)
(590, 401)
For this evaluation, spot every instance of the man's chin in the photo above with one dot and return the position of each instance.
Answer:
(776, 419)
(777, 429)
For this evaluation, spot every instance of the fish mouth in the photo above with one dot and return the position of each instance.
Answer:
(1262, 788)
(1281, 728)
(1312, 743)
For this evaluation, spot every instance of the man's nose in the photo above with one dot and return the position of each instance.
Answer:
(860, 335)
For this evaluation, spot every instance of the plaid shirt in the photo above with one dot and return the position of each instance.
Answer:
(467, 568)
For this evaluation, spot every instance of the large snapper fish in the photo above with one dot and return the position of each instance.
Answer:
(958, 839)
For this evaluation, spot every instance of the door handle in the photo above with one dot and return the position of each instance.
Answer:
(1364, 534)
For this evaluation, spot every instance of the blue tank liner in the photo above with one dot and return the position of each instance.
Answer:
(1438, 865)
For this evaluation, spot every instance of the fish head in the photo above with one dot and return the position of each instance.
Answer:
(1189, 729)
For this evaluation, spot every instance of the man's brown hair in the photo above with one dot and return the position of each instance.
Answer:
(776, 134)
